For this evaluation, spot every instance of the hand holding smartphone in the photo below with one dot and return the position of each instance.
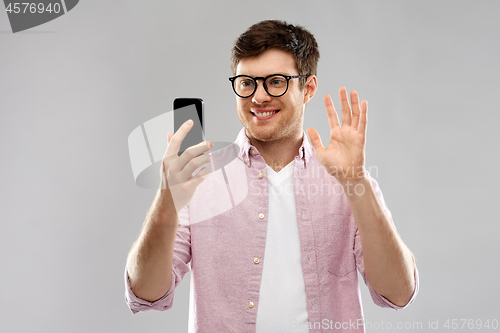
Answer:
(178, 169)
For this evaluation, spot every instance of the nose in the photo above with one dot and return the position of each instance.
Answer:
(261, 96)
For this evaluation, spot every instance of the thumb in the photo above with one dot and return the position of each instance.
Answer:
(315, 139)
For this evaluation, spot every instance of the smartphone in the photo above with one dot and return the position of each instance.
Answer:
(185, 109)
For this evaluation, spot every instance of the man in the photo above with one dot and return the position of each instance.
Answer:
(278, 260)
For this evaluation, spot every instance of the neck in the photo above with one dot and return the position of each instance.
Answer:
(278, 153)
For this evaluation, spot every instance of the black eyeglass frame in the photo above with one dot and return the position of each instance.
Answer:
(287, 77)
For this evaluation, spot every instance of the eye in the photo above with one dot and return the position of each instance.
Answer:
(276, 81)
(245, 83)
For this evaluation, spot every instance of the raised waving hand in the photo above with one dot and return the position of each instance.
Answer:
(344, 157)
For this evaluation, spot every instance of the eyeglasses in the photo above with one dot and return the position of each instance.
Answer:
(276, 85)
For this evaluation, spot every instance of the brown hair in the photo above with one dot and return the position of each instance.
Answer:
(274, 34)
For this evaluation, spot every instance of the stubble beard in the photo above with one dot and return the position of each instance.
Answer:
(283, 132)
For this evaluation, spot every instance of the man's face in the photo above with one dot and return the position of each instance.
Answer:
(287, 111)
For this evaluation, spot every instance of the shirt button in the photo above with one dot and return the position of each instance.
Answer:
(261, 174)
(254, 152)
(250, 304)
(256, 260)
(246, 159)
(307, 160)
(261, 216)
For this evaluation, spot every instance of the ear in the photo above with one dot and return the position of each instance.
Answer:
(310, 88)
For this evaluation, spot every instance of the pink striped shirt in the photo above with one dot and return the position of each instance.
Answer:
(222, 235)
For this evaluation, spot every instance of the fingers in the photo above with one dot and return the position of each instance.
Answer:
(315, 139)
(333, 119)
(200, 176)
(355, 114)
(178, 174)
(344, 105)
(177, 137)
(191, 153)
(355, 109)
(363, 118)
(192, 165)
(197, 180)
(187, 177)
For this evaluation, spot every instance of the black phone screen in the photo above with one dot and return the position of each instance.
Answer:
(189, 108)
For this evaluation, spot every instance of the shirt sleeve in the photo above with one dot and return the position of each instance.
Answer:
(180, 266)
(358, 253)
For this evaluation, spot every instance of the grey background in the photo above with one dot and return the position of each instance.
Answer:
(73, 89)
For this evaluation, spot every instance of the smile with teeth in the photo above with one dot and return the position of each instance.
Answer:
(265, 114)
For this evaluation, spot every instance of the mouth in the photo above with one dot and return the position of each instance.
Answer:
(261, 115)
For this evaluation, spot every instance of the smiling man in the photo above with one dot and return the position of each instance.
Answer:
(285, 259)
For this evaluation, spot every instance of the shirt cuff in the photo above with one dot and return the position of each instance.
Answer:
(137, 304)
(389, 304)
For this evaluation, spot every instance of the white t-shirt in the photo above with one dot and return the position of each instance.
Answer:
(282, 297)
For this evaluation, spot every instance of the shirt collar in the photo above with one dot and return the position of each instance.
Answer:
(245, 148)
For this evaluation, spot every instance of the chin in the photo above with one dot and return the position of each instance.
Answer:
(263, 135)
